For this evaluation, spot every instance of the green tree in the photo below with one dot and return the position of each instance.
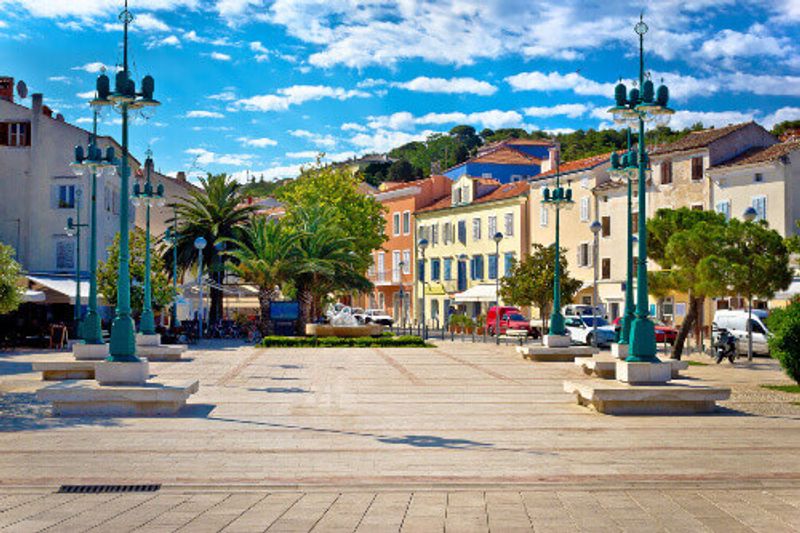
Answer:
(266, 256)
(216, 212)
(10, 270)
(358, 216)
(107, 277)
(787, 125)
(466, 136)
(784, 344)
(401, 170)
(531, 281)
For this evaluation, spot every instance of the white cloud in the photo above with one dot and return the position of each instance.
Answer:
(260, 142)
(381, 140)
(227, 95)
(143, 22)
(88, 95)
(763, 84)
(494, 119)
(448, 86)
(295, 95)
(70, 25)
(784, 113)
(60, 79)
(324, 141)
(85, 9)
(204, 114)
(256, 46)
(554, 81)
(3, 24)
(270, 174)
(728, 44)
(170, 40)
(95, 67)
(685, 119)
(352, 126)
(219, 56)
(206, 157)
(569, 110)
(308, 154)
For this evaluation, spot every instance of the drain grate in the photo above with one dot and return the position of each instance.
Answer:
(99, 489)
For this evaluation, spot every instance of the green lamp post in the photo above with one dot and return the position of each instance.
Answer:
(96, 163)
(422, 245)
(124, 98)
(73, 229)
(642, 105)
(172, 237)
(627, 168)
(557, 198)
(148, 197)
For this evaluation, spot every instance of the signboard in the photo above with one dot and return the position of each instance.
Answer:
(284, 311)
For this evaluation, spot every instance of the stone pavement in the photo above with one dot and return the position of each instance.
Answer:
(464, 437)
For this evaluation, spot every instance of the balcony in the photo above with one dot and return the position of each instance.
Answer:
(390, 278)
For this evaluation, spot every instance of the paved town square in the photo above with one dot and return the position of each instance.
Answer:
(469, 437)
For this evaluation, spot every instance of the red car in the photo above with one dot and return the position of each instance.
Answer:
(510, 318)
(664, 333)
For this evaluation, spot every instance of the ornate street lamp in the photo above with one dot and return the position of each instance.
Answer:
(749, 215)
(627, 168)
(73, 229)
(642, 105)
(402, 266)
(148, 197)
(558, 198)
(124, 98)
(172, 236)
(422, 245)
(200, 243)
(596, 227)
(93, 161)
(497, 237)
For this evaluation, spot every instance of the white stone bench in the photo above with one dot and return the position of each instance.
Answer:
(61, 370)
(607, 368)
(556, 355)
(161, 352)
(613, 397)
(88, 398)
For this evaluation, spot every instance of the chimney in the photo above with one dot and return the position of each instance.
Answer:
(552, 156)
(47, 111)
(7, 89)
(181, 176)
(36, 104)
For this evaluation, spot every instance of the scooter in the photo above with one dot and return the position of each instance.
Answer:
(725, 346)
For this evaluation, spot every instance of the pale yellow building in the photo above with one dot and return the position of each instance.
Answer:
(462, 262)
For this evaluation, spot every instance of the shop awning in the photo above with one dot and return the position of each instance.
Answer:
(791, 292)
(62, 286)
(31, 296)
(478, 293)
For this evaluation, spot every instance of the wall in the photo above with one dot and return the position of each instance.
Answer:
(502, 173)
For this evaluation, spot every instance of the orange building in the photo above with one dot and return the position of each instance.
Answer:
(392, 270)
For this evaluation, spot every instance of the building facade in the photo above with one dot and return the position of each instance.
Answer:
(503, 162)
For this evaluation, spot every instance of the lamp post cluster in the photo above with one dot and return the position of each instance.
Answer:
(643, 104)
(172, 237)
(92, 161)
(557, 198)
(124, 98)
(73, 229)
(149, 197)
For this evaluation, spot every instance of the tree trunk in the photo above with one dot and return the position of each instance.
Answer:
(306, 299)
(686, 327)
(265, 298)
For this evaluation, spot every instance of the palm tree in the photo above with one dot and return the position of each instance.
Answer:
(326, 261)
(216, 213)
(265, 256)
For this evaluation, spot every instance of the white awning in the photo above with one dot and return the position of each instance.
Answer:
(64, 286)
(791, 292)
(30, 296)
(478, 293)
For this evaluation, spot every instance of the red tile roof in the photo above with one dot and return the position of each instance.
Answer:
(578, 165)
(504, 192)
(699, 139)
(760, 154)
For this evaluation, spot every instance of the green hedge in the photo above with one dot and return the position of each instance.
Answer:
(784, 345)
(343, 342)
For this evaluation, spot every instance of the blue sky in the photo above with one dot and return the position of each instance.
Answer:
(260, 86)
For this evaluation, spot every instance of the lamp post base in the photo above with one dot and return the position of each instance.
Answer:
(147, 323)
(123, 341)
(92, 330)
(642, 347)
(619, 350)
(557, 341)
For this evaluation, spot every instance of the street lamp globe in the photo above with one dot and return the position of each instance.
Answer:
(498, 237)
(596, 227)
(422, 244)
(750, 214)
(200, 243)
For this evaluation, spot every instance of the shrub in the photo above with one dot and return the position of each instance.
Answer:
(784, 345)
(343, 342)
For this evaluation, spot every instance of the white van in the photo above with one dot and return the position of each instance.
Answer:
(736, 323)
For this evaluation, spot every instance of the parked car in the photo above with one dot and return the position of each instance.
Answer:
(736, 323)
(510, 318)
(664, 333)
(581, 329)
(375, 316)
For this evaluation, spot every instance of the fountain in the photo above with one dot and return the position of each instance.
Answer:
(342, 323)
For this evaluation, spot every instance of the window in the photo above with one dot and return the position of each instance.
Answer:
(381, 266)
(15, 134)
(666, 172)
(760, 205)
(406, 261)
(515, 178)
(491, 226)
(448, 269)
(759, 177)
(724, 208)
(697, 207)
(492, 266)
(585, 209)
(509, 224)
(446, 233)
(477, 267)
(65, 197)
(543, 215)
(457, 196)
(462, 231)
(421, 270)
(697, 168)
(508, 259)
(396, 224)
(65, 254)
(434, 234)
(487, 175)
(396, 266)
(606, 223)
(476, 229)
(584, 257)
(436, 269)
(406, 222)
(606, 268)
